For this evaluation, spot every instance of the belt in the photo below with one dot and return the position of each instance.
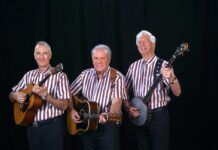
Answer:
(159, 109)
(46, 122)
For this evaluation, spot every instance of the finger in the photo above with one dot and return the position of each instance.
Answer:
(18, 97)
(20, 100)
(77, 117)
(22, 94)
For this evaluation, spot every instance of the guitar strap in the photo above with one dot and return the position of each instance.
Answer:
(156, 73)
(113, 76)
(157, 68)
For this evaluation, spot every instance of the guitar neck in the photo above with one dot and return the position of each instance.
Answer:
(117, 118)
(43, 80)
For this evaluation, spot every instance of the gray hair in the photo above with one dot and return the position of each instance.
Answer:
(42, 43)
(103, 46)
(151, 37)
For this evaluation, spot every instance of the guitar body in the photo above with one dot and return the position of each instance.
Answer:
(137, 102)
(24, 113)
(82, 106)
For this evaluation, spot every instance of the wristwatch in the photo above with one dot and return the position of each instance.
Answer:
(44, 97)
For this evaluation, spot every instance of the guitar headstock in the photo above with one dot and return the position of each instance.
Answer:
(116, 118)
(181, 49)
(57, 69)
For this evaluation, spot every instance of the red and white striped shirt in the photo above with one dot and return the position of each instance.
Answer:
(57, 86)
(140, 77)
(99, 90)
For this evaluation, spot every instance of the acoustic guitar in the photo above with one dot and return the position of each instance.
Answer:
(89, 116)
(141, 102)
(24, 112)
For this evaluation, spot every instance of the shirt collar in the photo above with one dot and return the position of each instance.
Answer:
(151, 60)
(46, 72)
(105, 73)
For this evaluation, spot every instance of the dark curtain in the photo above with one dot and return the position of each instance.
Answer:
(74, 27)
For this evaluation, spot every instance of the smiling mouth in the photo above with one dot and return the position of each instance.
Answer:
(144, 48)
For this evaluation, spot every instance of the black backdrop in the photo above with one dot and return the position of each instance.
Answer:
(73, 27)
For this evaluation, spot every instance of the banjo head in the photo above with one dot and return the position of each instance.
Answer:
(137, 103)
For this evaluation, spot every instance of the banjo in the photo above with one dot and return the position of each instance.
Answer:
(141, 102)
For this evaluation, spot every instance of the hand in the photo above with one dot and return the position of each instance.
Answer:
(41, 91)
(20, 97)
(167, 73)
(102, 119)
(75, 116)
(134, 112)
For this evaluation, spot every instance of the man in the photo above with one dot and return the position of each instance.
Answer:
(46, 132)
(154, 134)
(95, 84)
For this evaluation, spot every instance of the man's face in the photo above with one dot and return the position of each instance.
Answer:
(145, 46)
(42, 56)
(100, 60)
